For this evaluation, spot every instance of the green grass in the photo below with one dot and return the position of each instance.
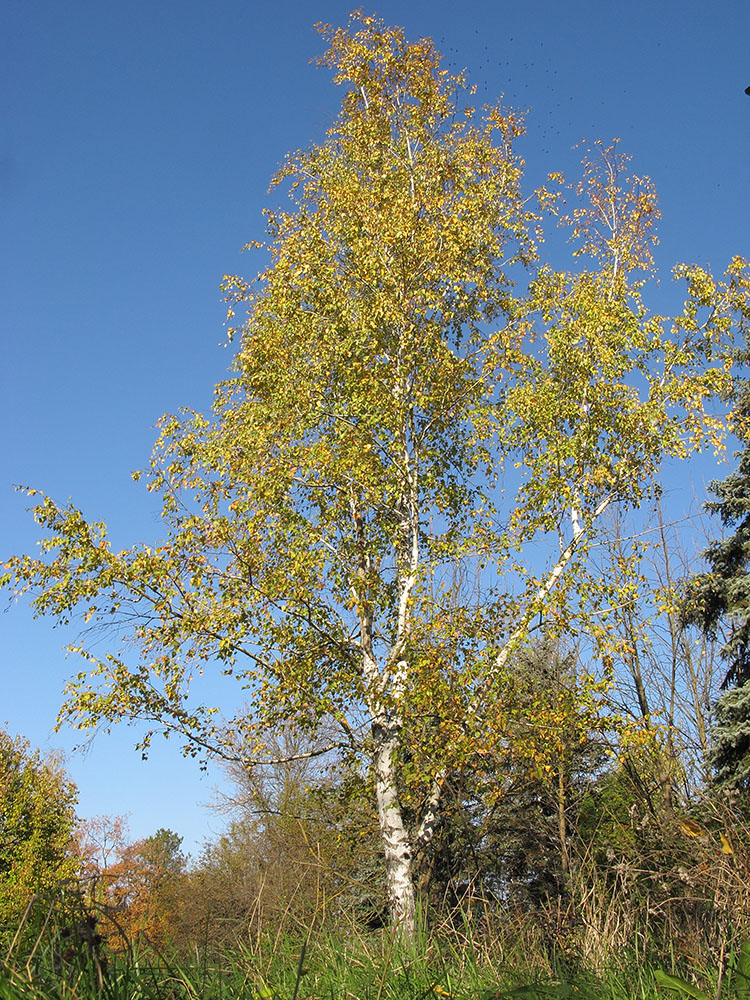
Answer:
(346, 963)
(341, 966)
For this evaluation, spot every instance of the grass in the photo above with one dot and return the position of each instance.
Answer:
(345, 965)
(455, 961)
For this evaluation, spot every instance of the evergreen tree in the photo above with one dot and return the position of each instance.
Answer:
(721, 596)
(718, 600)
(730, 738)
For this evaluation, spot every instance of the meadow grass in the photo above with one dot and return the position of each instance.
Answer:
(346, 964)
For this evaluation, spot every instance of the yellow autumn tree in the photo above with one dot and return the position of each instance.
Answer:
(360, 531)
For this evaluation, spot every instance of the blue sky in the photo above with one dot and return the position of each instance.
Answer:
(136, 145)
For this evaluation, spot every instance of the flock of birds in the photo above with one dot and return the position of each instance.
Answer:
(521, 81)
(554, 117)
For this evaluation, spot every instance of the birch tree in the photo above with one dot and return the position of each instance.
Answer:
(359, 534)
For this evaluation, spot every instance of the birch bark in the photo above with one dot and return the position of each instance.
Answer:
(385, 692)
(397, 846)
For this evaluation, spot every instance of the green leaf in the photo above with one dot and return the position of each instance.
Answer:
(680, 985)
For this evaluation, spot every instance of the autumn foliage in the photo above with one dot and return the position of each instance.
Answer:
(37, 818)
(133, 887)
(405, 480)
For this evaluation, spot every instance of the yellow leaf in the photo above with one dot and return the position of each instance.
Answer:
(692, 829)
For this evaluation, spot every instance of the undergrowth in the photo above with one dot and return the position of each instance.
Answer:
(345, 964)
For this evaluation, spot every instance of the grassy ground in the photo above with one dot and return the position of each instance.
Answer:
(344, 967)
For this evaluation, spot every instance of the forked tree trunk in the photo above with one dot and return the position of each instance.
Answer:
(396, 842)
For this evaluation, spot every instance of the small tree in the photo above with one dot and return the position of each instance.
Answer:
(353, 535)
(509, 817)
(37, 818)
(136, 886)
(143, 889)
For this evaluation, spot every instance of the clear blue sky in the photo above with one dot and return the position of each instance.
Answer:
(136, 144)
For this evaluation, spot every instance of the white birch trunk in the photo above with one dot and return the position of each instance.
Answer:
(397, 846)
(388, 684)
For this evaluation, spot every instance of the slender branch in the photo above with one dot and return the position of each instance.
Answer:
(537, 603)
(307, 755)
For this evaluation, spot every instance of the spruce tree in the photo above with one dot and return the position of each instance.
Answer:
(729, 756)
(718, 601)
